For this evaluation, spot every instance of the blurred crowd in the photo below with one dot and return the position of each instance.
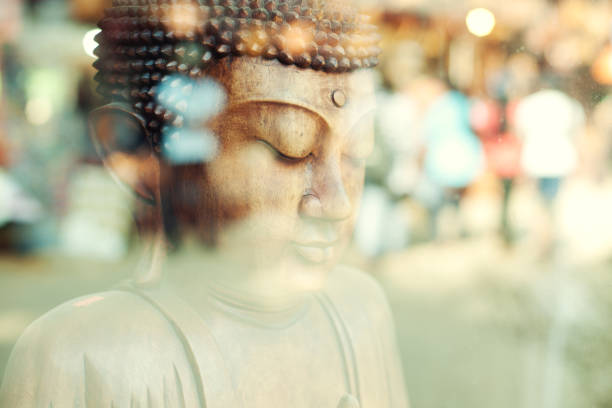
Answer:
(491, 127)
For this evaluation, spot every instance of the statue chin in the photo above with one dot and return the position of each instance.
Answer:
(266, 268)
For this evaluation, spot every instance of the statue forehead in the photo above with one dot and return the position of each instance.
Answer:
(338, 99)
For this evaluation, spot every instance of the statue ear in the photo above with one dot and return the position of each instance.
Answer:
(122, 142)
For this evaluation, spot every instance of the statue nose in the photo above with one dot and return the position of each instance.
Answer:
(327, 197)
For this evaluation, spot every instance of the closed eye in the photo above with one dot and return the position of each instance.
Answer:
(279, 155)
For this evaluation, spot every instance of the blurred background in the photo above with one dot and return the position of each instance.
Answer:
(486, 212)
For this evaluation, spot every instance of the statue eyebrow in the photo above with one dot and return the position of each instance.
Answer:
(293, 104)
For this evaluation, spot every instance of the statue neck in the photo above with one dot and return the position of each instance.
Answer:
(204, 280)
(255, 308)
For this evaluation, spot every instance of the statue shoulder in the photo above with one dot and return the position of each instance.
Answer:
(99, 320)
(111, 346)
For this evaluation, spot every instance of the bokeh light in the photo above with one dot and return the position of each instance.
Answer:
(89, 42)
(602, 67)
(190, 146)
(39, 110)
(181, 18)
(480, 22)
(195, 100)
(192, 103)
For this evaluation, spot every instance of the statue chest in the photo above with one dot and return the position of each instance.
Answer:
(319, 359)
(330, 354)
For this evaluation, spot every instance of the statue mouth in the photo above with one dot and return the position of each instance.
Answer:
(315, 252)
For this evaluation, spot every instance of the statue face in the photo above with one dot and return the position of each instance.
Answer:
(286, 184)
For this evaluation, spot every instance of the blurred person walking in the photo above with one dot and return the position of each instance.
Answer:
(454, 157)
(493, 124)
(548, 121)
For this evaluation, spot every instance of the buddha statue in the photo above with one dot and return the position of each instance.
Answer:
(263, 316)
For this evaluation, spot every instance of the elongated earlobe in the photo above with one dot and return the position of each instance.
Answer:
(122, 142)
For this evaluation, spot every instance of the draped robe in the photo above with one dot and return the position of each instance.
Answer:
(133, 347)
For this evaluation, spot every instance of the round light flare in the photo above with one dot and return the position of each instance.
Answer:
(89, 42)
(297, 39)
(601, 70)
(181, 18)
(38, 111)
(480, 22)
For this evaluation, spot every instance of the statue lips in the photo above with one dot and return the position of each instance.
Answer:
(315, 252)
